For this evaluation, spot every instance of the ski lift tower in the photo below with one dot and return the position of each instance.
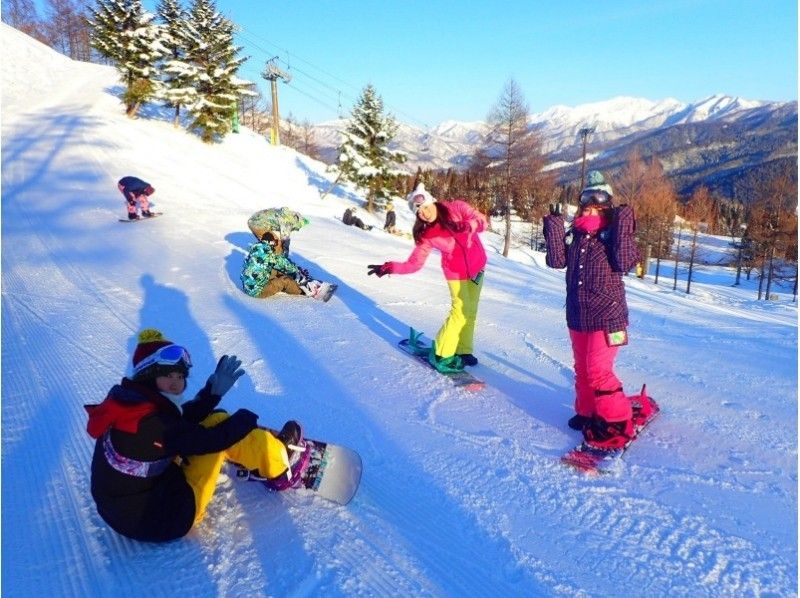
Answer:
(272, 73)
(584, 133)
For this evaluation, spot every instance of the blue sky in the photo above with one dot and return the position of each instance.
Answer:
(439, 60)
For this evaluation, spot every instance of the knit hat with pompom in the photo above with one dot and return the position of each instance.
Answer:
(145, 367)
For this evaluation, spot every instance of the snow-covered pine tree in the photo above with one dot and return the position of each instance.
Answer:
(177, 73)
(214, 56)
(365, 158)
(123, 32)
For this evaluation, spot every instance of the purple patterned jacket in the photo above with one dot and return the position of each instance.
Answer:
(595, 264)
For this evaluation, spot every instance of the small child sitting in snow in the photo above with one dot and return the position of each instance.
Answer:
(157, 459)
(268, 271)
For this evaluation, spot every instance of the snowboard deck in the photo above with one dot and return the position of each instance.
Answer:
(333, 472)
(592, 461)
(419, 349)
(142, 218)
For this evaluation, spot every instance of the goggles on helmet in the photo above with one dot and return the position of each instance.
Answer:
(417, 202)
(594, 197)
(169, 355)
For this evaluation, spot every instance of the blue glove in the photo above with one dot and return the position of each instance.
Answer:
(226, 374)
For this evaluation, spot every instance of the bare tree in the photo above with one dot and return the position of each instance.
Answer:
(509, 140)
(67, 29)
(22, 15)
(697, 211)
(308, 140)
(644, 185)
(772, 228)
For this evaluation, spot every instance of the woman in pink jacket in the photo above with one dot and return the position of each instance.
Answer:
(452, 227)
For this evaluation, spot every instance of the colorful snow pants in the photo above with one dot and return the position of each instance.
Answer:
(598, 391)
(258, 450)
(280, 283)
(455, 335)
(144, 202)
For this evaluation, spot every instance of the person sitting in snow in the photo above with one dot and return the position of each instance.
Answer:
(349, 217)
(452, 227)
(268, 271)
(135, 191)
(597, 251)
(281, 221)
(156, 459)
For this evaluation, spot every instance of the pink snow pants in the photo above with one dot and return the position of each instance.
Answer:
(598, 391)
(144, 201)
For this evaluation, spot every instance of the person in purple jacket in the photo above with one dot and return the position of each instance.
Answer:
(136, 190)
(452, 228)
(598, 249)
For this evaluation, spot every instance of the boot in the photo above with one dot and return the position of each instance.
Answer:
(297, 457)
(607, 436)
(146, 213)
(133, 216)
(578, 422)
(291, 434)
(468, 359)
(326, 291)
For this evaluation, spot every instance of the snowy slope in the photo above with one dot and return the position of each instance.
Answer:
(462, 494)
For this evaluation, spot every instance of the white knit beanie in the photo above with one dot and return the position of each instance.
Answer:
(414, 201)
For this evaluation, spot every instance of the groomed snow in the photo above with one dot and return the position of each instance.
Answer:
(462, 494)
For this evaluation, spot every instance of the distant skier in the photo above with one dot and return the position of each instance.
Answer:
(135, 191)
(156, 459)
(599, 248)
(282, 221)
(349, 217)
(268, 271)
(390, 223)
(452, 227)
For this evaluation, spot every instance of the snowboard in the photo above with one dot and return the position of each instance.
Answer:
(331, 471)
(419, 349)
(142, 218)
(594, 461)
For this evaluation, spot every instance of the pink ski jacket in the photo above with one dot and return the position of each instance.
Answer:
(463, 255)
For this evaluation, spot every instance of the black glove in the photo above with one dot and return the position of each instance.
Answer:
(555, 209)
(379, 269)
(226, 374)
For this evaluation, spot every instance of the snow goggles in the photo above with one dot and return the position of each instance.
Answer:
(594, 198)
(169, 355)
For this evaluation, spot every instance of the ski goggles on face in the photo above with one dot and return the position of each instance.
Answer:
(594, 198)
(169, 355)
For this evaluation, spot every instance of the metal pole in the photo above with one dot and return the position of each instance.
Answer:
(275, 139)
(584, 132)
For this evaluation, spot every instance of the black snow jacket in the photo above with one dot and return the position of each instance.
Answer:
(144, 426)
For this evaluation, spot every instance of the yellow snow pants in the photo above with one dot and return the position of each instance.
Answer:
(258, 450)
(455, 335)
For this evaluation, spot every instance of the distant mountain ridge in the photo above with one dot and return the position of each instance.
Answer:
(717, 141)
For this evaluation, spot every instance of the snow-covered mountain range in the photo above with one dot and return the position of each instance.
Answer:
(451, 143)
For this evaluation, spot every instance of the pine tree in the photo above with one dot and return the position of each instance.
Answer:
(214, 56)
(365, 158)
(123, 32)
(178, 73)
